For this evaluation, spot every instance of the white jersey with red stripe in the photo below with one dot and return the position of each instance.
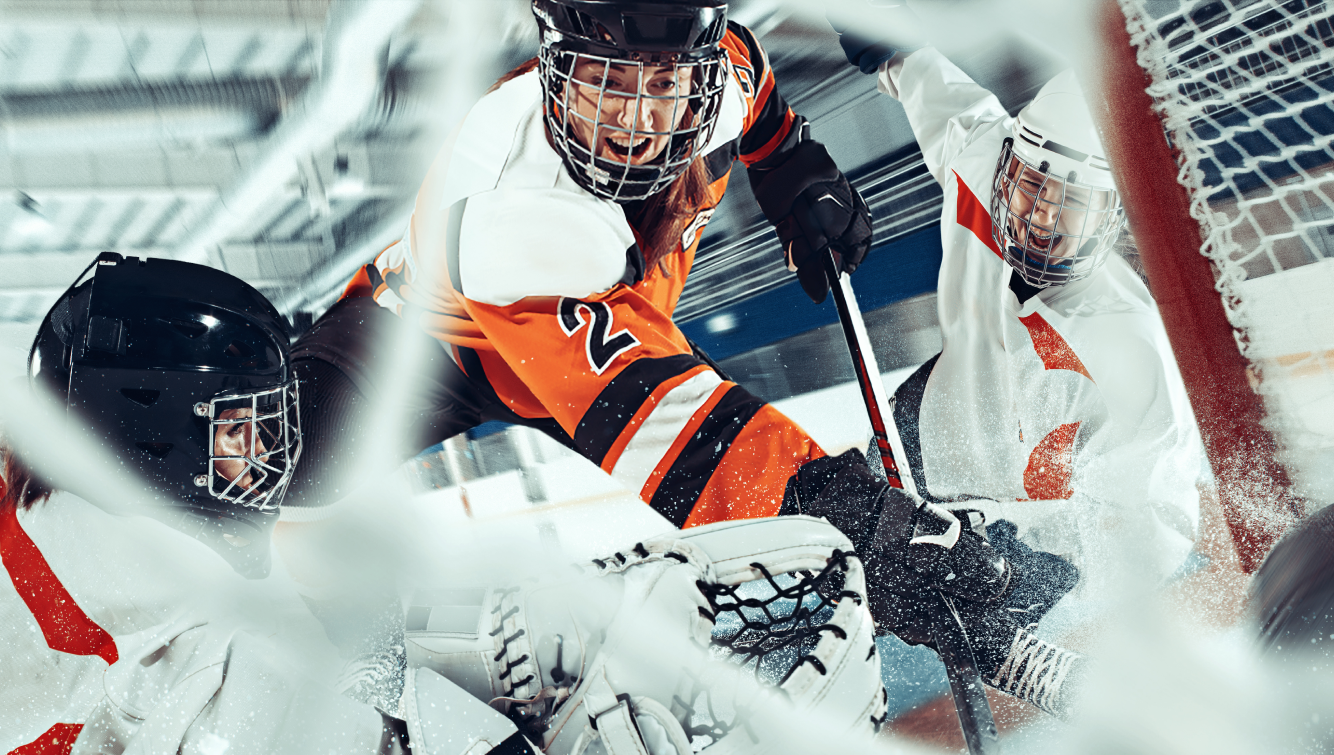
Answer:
(1071, 396)
(120, 630)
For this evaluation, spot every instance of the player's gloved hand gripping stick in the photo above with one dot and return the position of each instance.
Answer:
(933, 577)
(947, 630)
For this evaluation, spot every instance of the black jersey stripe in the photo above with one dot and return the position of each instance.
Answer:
(772, 117)
(719, 161)
(634, 266)
(472, 368)
(617, 403)
(373, 275)
(690, 472)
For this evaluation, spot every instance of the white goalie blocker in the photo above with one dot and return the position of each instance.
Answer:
(723, 638)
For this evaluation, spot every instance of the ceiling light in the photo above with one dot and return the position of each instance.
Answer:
(32, 224)
(347, 186)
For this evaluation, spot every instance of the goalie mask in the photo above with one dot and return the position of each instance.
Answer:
(182, 372)
(631, 90)
(1055, 212)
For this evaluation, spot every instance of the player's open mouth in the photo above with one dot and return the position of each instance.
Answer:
(1040, 240)
(623, 148)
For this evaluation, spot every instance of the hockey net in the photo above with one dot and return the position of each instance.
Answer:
(1245, 90)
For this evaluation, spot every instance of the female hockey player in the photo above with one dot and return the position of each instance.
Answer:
(141, 619)
(145, 624)
(1056, 382)
(551, 241)
(546, 253)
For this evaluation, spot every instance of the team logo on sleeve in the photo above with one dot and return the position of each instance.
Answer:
(744, 76)
(693, 230)
(600, 348)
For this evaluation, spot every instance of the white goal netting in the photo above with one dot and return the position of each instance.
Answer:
(1246, 90)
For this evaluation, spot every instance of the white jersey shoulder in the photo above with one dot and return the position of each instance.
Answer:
(120, 585)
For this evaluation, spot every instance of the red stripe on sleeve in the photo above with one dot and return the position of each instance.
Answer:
(65, 626)
(788, 119)
(973, 215)
(57, 740)
(1054, 352)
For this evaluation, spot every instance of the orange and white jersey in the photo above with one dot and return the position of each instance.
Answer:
(539, 292)
(1071, 396)
(120, 629)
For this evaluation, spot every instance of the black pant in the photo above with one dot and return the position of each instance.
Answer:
(336, 363)
(908, 419)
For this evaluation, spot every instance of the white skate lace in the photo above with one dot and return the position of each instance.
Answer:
(1035, 671)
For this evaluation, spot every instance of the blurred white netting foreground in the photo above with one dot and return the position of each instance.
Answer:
(1245, 89)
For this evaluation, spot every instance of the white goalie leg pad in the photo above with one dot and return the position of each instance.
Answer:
(645, 637)
(444, 719)
(626, 725)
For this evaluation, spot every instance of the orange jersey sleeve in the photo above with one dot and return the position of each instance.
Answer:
(619, 377)
(769, 121)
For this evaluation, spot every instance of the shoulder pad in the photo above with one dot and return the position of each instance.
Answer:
(515, 243)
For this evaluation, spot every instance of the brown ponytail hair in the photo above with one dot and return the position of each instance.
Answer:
(663, 217)
(21, 487)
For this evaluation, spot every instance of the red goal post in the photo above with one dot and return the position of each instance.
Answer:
(1213, 115)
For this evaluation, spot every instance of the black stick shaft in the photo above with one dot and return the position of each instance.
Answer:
(863, 363)
(970, 699)
(975, 719)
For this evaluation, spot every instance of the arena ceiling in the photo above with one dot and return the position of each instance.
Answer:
(284, 140)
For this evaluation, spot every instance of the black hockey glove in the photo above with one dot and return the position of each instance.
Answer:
(914, 551)
(900, 538)
(813, 208)
(1046, 576)
(911, 546)
(868, 51)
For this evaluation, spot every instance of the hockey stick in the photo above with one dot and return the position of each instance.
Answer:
(970, 701)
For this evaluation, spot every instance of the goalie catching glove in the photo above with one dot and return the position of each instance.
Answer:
(623, 657)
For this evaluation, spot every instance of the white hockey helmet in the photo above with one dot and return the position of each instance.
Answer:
(1055, 211)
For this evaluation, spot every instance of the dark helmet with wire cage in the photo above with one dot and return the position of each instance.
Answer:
(163, 361)
(1055, 211)
(659, 61)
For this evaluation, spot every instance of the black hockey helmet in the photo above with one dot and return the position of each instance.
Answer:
(182, 372)
(682, 36)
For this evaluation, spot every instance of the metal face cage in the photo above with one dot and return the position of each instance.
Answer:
(255, 443)
(1053, 230)
(653, 116)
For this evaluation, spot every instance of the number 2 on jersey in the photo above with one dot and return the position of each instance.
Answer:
(600, 348)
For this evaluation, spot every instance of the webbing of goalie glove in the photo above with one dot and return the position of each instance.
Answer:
(838, 681)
